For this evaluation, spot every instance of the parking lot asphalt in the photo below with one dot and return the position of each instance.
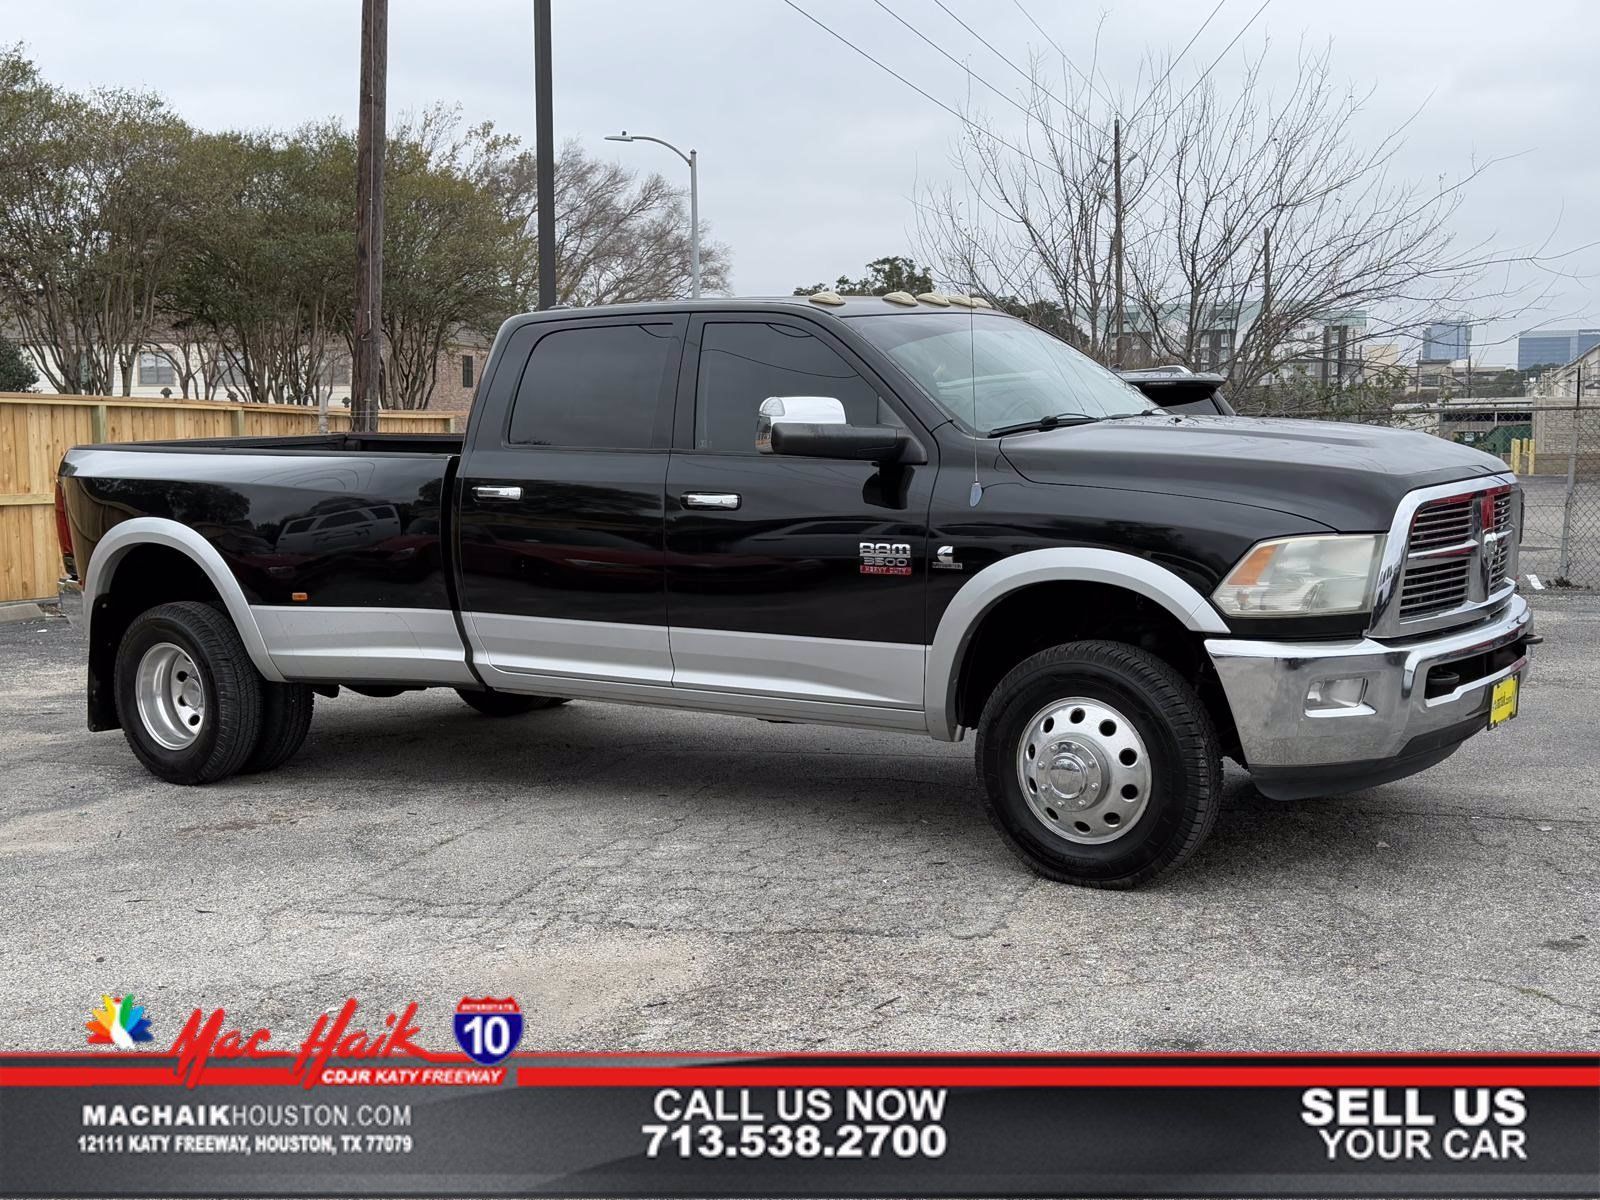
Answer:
(641, 879)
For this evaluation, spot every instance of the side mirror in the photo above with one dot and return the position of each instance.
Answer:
(868, 443)
(812, 410)
(815, 427)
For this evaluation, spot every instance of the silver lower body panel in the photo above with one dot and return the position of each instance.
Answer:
(364, 645)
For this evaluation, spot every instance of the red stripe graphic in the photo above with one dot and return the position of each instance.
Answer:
(1488, 1074)
(1106, 1076)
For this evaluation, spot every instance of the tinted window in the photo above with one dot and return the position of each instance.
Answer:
(599, 386)
(990, 371)
(742, 364)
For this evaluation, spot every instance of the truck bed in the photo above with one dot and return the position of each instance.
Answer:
(339, 519)
(332, 443)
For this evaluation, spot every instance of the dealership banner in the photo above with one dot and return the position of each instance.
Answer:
(355, 1112)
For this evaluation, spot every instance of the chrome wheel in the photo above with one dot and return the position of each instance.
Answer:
(1084, 770)
(170, 696)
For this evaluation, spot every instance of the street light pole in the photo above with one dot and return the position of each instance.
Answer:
(693, 159)
(694, 224)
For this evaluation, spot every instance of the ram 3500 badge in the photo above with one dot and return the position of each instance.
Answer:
(924, 517)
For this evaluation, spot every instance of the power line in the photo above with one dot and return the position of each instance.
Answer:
(1040, 28)
(1204, 75)
(1031, 79)
(971, 74)
(925, 95)
(1155, 87)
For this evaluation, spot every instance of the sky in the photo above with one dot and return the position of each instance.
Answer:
(810, 156)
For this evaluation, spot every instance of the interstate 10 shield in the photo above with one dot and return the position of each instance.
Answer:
(488, 1029)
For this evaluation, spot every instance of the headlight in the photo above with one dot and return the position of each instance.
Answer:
(1303, 577)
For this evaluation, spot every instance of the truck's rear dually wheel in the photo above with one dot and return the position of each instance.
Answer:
(285, 720)
(188, 698)
(1100, 764)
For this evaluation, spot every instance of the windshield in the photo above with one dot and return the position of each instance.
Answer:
(991, 372)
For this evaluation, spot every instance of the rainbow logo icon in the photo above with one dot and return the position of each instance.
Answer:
(118, 1022)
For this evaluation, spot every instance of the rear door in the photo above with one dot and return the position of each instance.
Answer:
(561, 505)
(795, 578)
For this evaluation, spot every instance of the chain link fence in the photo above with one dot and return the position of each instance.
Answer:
(1553, 444)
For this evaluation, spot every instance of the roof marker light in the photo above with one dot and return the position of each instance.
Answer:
(833, 299)
(937, 299)
(902, 298)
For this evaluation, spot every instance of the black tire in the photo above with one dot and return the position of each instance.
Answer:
(507, 704)
(285, 721)
(1184, 769)
(231, 687)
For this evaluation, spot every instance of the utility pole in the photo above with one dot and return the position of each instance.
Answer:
(544, 153)
(366, 367)
(1118, 354)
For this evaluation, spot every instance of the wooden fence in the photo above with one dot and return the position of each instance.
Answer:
(36, 430)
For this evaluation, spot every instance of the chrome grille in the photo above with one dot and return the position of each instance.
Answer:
(1435, 587)
(1499, 551)
(1447, 523)
(1458, 552)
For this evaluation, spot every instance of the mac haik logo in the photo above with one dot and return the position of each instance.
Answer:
(488, 1029)
(205, 1037)
(118, 1022)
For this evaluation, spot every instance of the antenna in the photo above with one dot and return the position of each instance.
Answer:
(968, 287)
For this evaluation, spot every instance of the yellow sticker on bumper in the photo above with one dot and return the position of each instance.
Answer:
(1503, 701)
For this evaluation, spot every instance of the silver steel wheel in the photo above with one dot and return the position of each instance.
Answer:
(171, 698)
(1084, 770)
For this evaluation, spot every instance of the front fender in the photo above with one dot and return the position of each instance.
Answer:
(1058, 564)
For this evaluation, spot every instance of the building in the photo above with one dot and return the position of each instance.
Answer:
(1554, 347)
(1446, 341)
(1559, 397)
(459, 367)
(1330, 350)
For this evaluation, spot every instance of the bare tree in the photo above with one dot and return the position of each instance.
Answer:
(1251, 219)
(1034, 222)
(619, 237)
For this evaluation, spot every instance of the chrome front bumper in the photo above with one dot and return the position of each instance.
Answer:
(1282, 730)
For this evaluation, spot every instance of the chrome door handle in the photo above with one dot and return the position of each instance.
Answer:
(723, 500)
(490, 492)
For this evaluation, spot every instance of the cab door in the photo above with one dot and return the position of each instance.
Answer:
(561, 503)
(787, 577)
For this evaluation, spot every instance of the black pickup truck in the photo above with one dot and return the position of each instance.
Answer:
(890, 513)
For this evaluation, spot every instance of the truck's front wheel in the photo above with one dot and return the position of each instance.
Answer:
(1100, 764)
(188, 697)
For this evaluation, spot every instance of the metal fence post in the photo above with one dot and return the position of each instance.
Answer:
(1563, 556)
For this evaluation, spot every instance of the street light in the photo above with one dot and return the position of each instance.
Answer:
(694, 199)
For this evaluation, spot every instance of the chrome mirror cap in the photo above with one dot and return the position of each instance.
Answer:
(808, 410)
